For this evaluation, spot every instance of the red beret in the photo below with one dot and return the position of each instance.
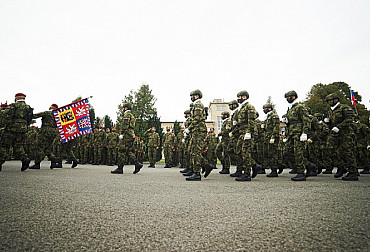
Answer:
(20, 94)
(54, 105)
(4, 105)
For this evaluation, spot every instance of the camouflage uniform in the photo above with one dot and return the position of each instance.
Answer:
(112, 142)
(153, 145)
(100, 141)
(209, 150)
(17, 116)
(168, 146)
(126, 142)
(341, 139)
(362, 142)
(180, 143)
(233, 143)
(298, 124)
(32, 144)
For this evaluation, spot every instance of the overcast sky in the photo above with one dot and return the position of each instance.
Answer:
(54, 51)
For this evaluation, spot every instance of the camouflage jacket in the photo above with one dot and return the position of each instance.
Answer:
(342, 118)
(246, 119)
(17, 117)
(128, 124)
(168, 140)
(225, 129)
(272, 126)
(198, 118)
(153, 139)
(47, 119)
(362, 132)
(298, 120)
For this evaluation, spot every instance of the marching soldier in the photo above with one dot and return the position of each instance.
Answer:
(222, 150)
(362, 143)
(126, 142)
(112, 142)
(209, 150)
(168, 142)
(153, 145)
(17, 118)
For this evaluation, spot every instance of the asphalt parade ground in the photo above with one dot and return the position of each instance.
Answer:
(89, 209)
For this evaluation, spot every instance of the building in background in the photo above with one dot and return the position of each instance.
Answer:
(215, 109)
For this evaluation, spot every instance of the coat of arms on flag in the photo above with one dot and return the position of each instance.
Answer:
(73, 120)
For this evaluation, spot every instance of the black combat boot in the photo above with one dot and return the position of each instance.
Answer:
(341, 170)
(68, 162)
(243, 178)
(351, 177)
(255, 169)
(208, 168)
(138, 166)
(293, 171)
(261, 169)
(189, 173)
(167, 166)
(25, 164)
(311, 170)
(299, 177)
(365, 171)
(35, 166)
(320, 167)
(273, 173)
(150, 165)
(224, 171)
(195, 177)
(119, 170)
(328, 171)
(237, 173)
(74, 163)
(53, 162)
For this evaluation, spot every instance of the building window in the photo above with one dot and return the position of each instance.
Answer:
(221, 107)
(219, 123)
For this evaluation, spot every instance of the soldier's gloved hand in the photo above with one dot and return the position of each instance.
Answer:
(368, 147)
(272, 141)
(230, 134)
(185, 134)
(303, 137)
(285, 140)
(335, 129)
(284, 120)
(235, 123)
(187, 131)
(326, 120)
(309, 140)
(220, 137)
(247, 136)
(120, 137)
(183, 140)
(262, 126)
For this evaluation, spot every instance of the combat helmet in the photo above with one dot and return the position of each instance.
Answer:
(232, 103)
(242, 93)
(196, 92)
(128, 105)
(288, 96)
(330, 99)
(266, 107)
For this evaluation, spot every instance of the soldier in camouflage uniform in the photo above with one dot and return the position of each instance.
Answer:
(17, 118)
(321, 131)
(341, 138)
(298, 125)
(112, 142)
(48, 133)
(362, 143)
(246, 129)
(168, 142)
(126, 142)
(209, 150)
(271, 139)
(235, 159)
(85, 143)
(198, 131)
(100, 141)
(180, 143)
(153, 145)
(222, 150)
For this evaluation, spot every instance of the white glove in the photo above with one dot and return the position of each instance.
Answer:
(187, 131)
(284, 120)
(247, 136)
(220, 137)
(235, 123)
(326, 120)
(120, 137)
(303, 137)
(368, 147)
(262, 126)
(230, 134)
(285, 140)
(309, 140)
(183, 140)
(272, 141)
(335, 129)
(185, 135)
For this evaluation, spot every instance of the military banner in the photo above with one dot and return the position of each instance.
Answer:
(73, 120)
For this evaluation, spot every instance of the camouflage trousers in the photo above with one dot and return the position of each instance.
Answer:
(272, 155)
(168, 154)
(111, 155)
(234, 149)
(99, 154)
(295, 149)
(363, 157)
(126, 152)
(152, 155)
(10, 139)
(211, 157)
(246, 153)
(340, 151)
(46, 138)
(197, 145)
(222, 152)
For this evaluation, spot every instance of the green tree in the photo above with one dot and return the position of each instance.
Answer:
(142, 107)
(108, 123)
(176, 127)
